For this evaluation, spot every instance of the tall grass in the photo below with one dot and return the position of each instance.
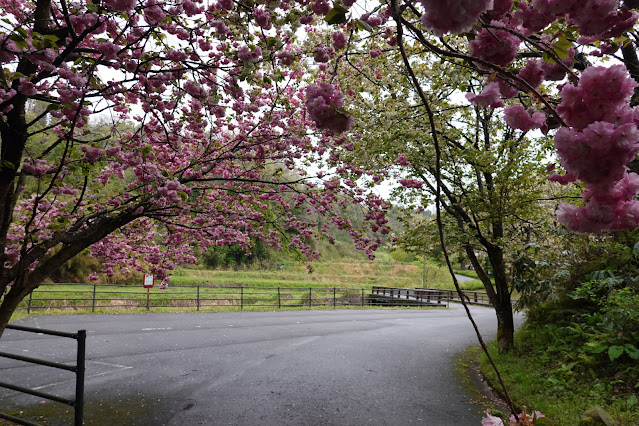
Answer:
(328, 274)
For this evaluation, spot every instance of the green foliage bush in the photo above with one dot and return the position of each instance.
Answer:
(585, 336)
(401, 255)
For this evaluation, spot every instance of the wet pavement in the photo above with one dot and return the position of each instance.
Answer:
(340, 367)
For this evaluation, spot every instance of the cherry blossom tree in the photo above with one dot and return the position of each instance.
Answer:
(143, 130)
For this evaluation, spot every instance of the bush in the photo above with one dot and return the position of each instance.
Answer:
(399, 255)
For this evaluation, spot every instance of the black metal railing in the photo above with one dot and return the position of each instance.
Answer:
(78, 401)
(101, 297)
(104, 297)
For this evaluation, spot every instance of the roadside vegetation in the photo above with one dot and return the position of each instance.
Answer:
(579, 348)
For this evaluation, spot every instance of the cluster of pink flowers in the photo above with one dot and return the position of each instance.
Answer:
(245, 54)
(595, 18)
(496, 46)
(489, 97)
(522, 419)
(262, 18)
(323, 103)
(519, 118)
(339, 40)
(323, 53)
(452, 16)
(601, 139)
(120, 5)
(600, 135)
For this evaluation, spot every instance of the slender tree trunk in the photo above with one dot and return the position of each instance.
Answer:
(502, 304)
(505, 324)
(498, 294)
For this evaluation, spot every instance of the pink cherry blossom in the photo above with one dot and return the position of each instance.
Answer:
(491, 420)
(120, 5)
(601, 95)
(517, 117)
(339, 40)
(323, 103)
(496, 46)
(532, 73)
(262, 18)
(489, 97)
(321, 7)
(452, 16)
(402, 160)
(499, 9)
(411, 183)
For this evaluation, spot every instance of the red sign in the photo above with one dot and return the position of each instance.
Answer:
(149, 280)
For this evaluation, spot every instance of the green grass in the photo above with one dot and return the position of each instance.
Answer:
(556, 390)
(466, 273)
(339, 283)
(327, 274)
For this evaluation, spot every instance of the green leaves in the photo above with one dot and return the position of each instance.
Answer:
(632, 351)
(337, 15)
(615, 352)
(561, 48)
(363, 25)
(5, 164)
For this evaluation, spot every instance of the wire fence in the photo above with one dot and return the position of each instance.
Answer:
(103, 297)
(98, 297)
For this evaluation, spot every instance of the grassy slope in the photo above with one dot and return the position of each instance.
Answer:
(362, 274)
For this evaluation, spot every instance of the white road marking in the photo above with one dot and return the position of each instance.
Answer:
(117, 368)
(156, 328)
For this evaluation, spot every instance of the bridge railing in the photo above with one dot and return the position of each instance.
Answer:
(436, 295)
(418, 296)
(470, 296)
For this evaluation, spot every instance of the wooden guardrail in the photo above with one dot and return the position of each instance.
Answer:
(408, 296)
(471, 296)
(428, 295)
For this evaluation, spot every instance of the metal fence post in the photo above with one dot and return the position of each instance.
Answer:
(147, 299)
(279, 299)
(241, 297)
(198, 297)
(93, 299)
(29, 304)
(310, 297)
(79, 380)
(362, 297)
(334, 296)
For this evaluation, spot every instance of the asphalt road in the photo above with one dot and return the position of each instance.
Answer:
(340, 367)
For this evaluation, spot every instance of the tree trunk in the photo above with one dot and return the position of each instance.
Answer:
(505, 325)
(498, 294)
(9, 304)
(28, 281)
(502, 304)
